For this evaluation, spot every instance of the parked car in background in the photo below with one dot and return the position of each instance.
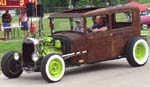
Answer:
(145, 19)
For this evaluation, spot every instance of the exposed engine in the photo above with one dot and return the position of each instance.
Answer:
(49, 46)
(34, 50)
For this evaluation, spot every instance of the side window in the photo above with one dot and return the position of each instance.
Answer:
(123, 19)
(98, 21)
(90, 22)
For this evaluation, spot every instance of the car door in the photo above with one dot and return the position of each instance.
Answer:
(98, 46)
(118, 41)
(122, 31)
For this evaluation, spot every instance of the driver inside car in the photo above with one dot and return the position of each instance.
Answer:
(100, 24)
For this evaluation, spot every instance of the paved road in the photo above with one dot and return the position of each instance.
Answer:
(115, 73)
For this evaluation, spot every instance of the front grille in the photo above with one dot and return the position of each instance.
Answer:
(27, 50)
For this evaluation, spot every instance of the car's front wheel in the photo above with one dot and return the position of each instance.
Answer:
(137, 51)
(10, 67)
(145, 26)
(53, 68)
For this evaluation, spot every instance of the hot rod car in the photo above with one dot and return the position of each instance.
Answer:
(66, 47)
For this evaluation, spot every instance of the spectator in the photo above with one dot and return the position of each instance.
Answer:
(33, 29)
(6, 19)
(24, 23)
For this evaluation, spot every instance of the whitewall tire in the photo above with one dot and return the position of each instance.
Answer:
(137, 51)
(53, 68)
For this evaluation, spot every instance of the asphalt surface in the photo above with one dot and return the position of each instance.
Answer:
(116, 73)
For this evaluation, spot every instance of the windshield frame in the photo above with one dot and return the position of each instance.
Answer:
(52, 24)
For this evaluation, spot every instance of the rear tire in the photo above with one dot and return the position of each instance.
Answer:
(137, 51)
(52, 68)
(10, 67)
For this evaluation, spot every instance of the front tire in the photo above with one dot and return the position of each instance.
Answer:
(52, 68)
(137, 52)
(10, 67)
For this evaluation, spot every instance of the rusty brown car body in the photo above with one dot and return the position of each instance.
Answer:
(100, 46)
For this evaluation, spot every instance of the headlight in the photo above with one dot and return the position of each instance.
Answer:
(35, 57)
(16, 56)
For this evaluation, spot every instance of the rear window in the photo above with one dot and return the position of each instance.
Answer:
(123, 19)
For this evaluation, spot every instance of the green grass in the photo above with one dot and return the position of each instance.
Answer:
(10, 45)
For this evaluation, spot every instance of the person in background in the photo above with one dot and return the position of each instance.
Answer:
(6, 20)
(33, 29)
(34, 1)
(24, 23)
(79, 26)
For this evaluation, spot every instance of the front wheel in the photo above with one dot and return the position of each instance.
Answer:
(52, 68)
(10, 67)
(137, 52)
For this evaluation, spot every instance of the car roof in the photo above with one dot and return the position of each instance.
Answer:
(73, 12)
(87, 12)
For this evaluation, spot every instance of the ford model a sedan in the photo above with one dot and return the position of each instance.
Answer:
(78, 38)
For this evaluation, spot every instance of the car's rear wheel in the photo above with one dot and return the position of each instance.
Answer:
(145, 26)
(10, 67)
(137, 52)
(53, 68)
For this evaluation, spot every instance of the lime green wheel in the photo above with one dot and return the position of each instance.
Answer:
(53, 68)
(137, 51)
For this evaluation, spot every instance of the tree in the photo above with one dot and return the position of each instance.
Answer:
(83, 3)
(55, 3)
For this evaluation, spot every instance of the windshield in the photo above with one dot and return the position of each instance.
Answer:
(61, 24)
(145, 12)
(68, 24)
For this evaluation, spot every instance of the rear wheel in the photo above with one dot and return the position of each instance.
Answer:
(145, 26)
(53, 68)
(10, 67)
(137, 51)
